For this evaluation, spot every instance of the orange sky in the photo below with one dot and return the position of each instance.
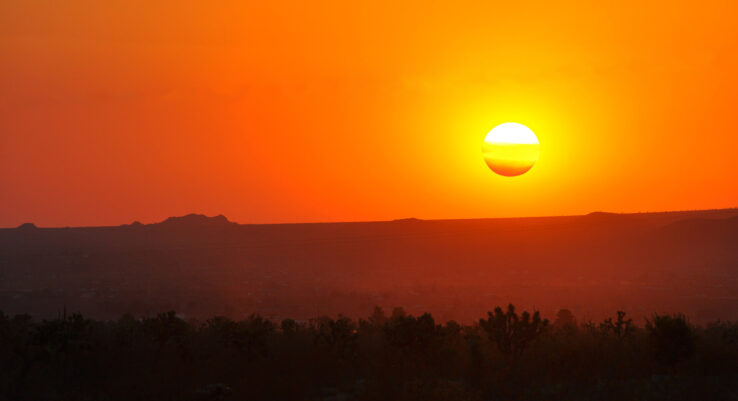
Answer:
(114, 111)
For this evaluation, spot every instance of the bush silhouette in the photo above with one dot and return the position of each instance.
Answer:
(670, 338)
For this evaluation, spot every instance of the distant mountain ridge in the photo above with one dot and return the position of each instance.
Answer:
(703, 229)
(198, 220)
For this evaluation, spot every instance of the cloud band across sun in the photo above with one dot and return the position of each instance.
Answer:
(510, 149)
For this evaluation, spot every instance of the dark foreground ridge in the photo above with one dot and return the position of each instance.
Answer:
(505, 355)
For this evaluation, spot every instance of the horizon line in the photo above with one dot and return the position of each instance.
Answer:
(403, 219)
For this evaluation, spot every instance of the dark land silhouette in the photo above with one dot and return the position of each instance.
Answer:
(505, 355)
(675, 262)
(279, 312)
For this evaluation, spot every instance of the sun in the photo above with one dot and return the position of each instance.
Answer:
(510, 149)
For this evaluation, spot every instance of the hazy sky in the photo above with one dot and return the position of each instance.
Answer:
(114, 111)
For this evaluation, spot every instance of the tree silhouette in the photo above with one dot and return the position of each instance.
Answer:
(511, 333)
(377, 318)
(670, 338)
(404, 358)
(289, 327)
(621, 328)
(338, 335)
(565, 320)
(409, 333)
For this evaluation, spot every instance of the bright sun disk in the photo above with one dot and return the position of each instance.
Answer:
(510, 149)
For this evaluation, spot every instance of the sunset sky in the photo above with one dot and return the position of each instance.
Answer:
(115, 111)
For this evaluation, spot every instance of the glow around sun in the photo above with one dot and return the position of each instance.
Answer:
(510, 149)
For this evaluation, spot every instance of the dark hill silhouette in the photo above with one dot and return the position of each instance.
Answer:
(603, 215)
(27, 227)
(408, 220)
(194, 221)
(204, 266)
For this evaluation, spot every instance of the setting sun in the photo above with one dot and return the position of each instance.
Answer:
(510, 149)
(267, 190)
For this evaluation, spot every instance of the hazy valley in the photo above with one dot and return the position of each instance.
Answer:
(456, 269)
